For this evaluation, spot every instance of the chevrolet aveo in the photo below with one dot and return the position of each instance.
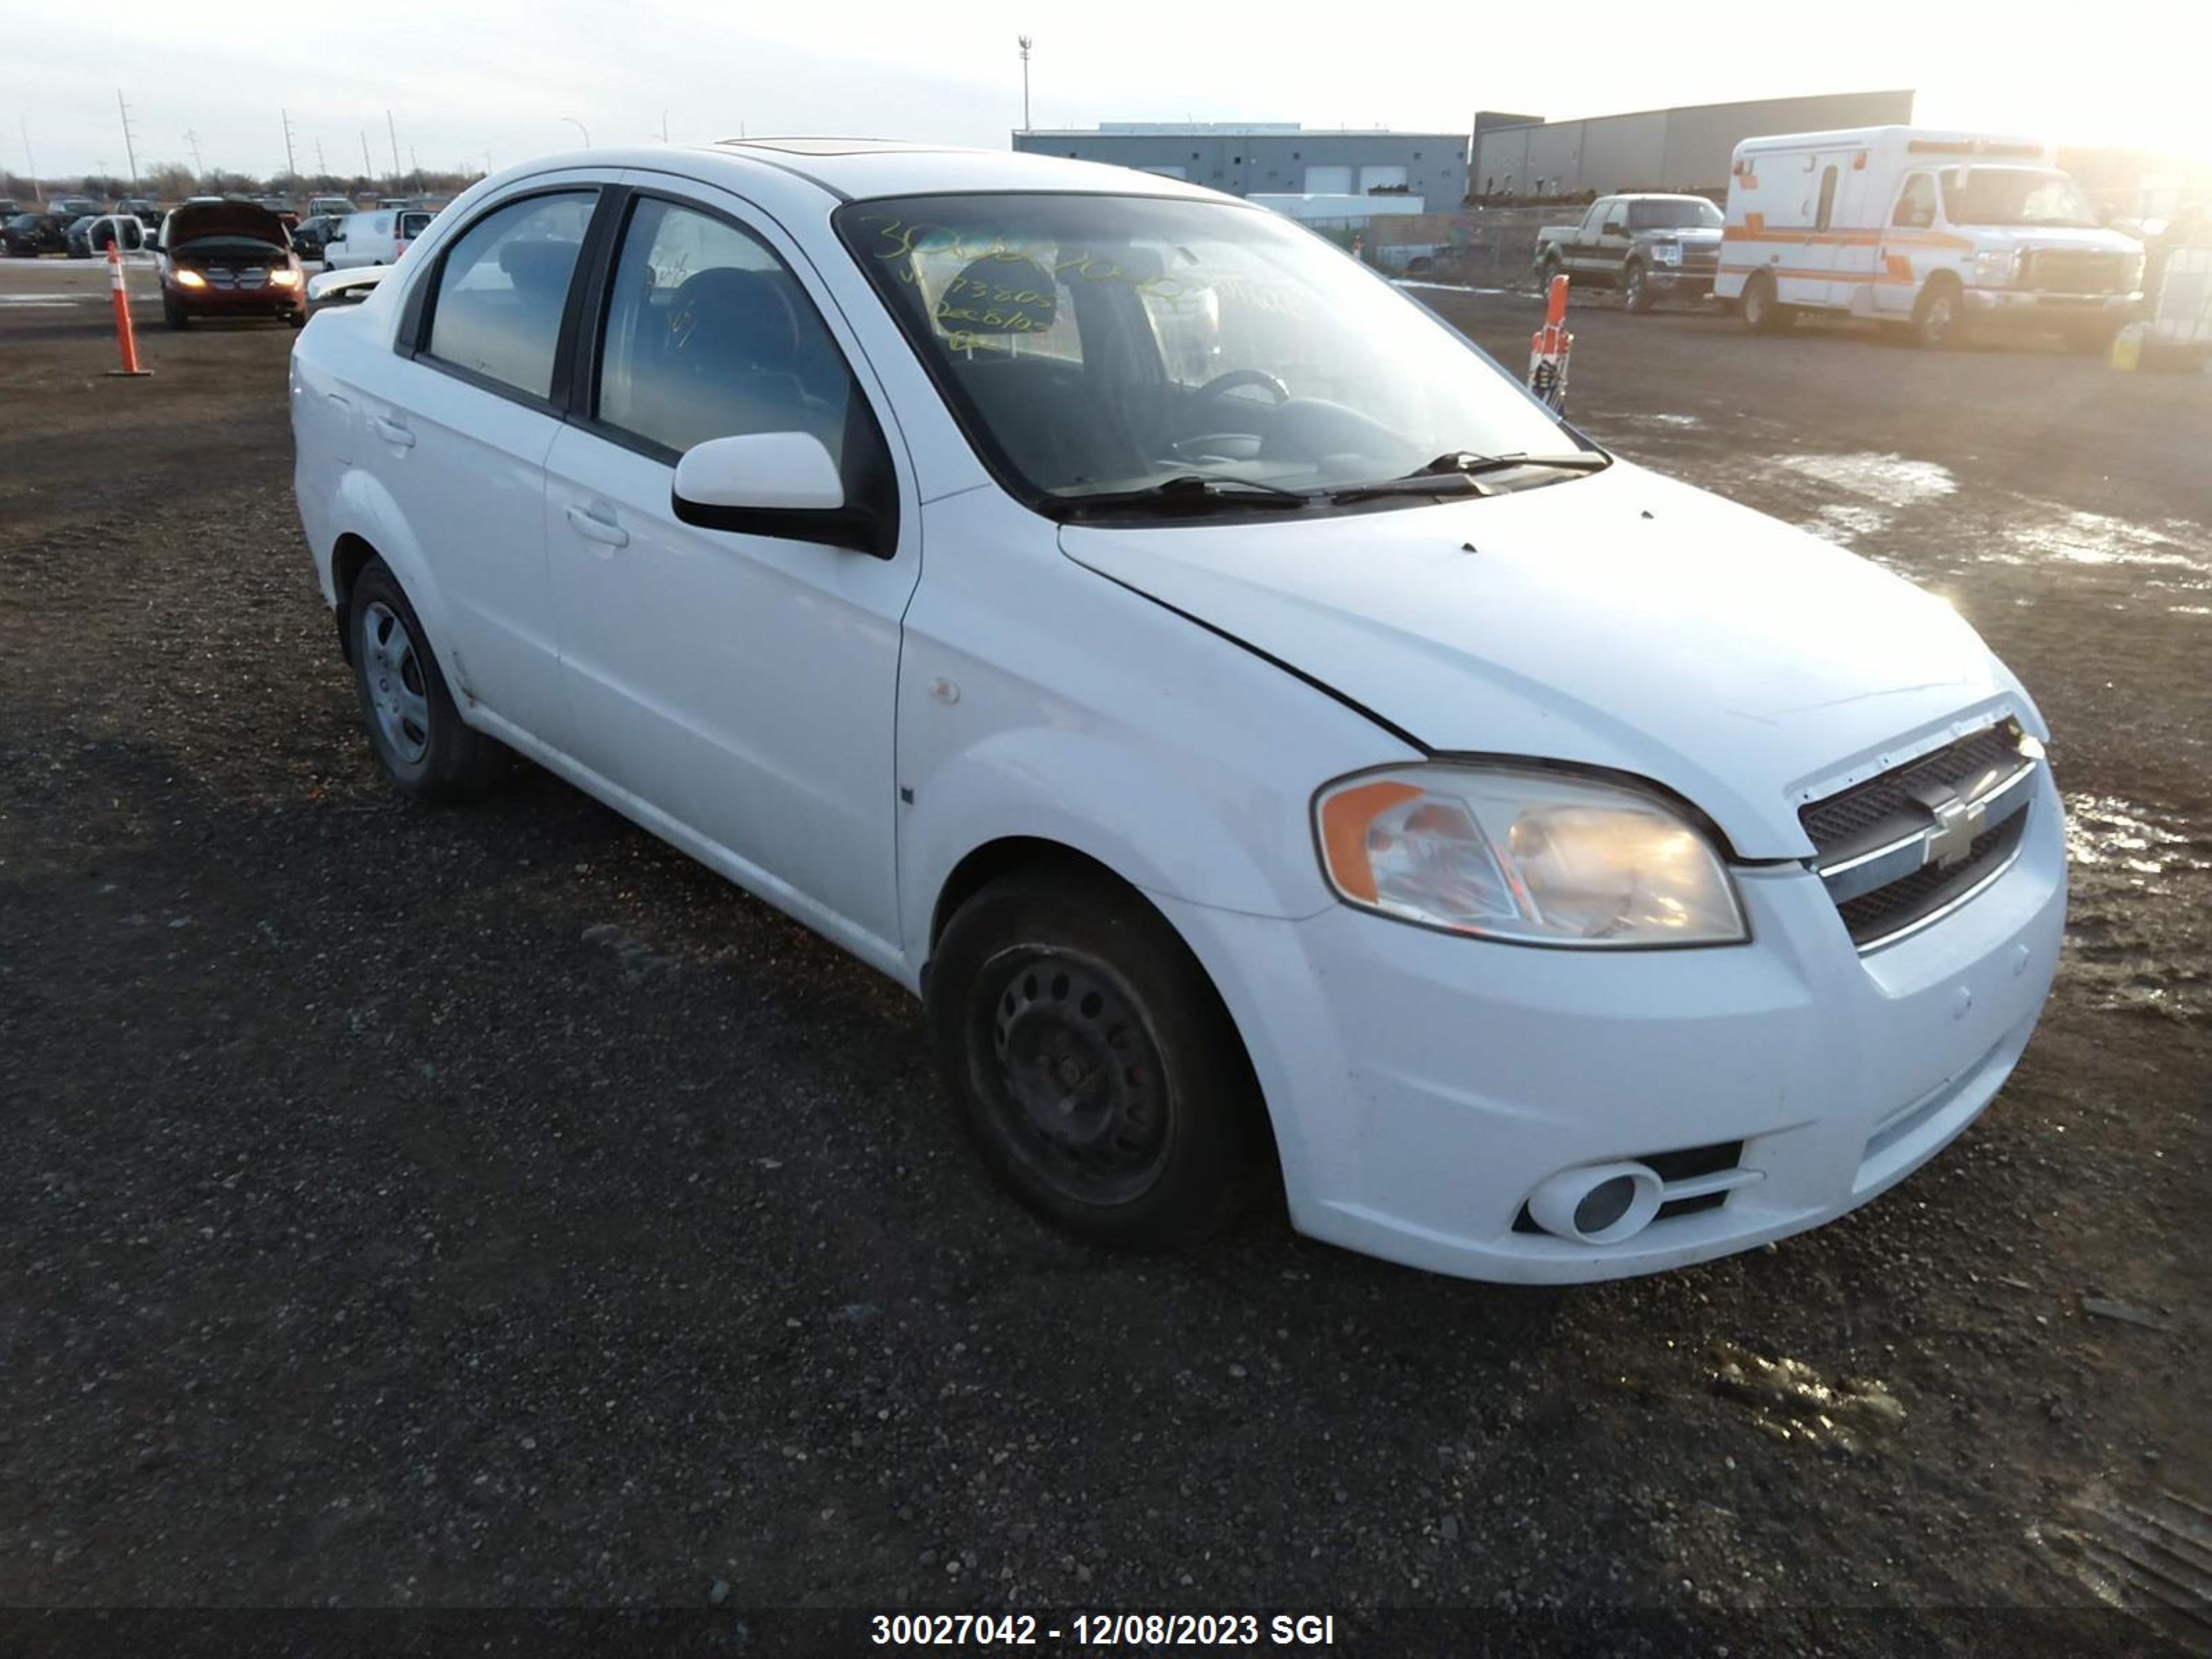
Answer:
(1270, 743)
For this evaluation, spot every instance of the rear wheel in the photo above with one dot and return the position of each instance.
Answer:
(1547, 267)
(1091, 1060)
(431, 753)
(1762, 312)
(1939, 318)
(1636, 289)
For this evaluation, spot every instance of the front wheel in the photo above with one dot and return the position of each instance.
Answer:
(1939, 318)
(1636, 289)
(1091, 1060)
(175, 314)
(431, 753)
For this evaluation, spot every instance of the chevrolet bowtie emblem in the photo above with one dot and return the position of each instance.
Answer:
(1957, 822)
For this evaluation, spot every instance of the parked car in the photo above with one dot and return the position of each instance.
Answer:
(1316, 761)
(1945, 233)
(1649, 246)
(144, 209)
(29, 234)
(310, 237)
(375, 238)
(89, 236)
(320, 207)
(68, 209)
(229, 259)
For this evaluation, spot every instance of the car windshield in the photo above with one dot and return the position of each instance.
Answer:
(1673, 216)
(1095, 343)
(2015, 196)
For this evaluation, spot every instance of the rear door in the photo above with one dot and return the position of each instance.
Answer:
(739, 686)
(485, 347)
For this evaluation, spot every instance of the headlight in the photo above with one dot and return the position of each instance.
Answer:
(1994, 266)
(191, 279)
(1666, 254)
(284, 276)
(1533, 857)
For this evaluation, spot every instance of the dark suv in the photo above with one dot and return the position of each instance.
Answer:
(27, 235)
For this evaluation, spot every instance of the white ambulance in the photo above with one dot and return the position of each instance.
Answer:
(1945, 233)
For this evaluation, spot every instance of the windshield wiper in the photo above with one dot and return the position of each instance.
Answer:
(1192, 490)
(1469, 466)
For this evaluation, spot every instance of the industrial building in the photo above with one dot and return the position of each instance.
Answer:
(1272, 158)
(1675, 149)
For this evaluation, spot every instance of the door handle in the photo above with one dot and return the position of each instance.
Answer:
(592, 527)
(391, 432)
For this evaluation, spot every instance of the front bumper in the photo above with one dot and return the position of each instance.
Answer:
(266, 301)
(1680, 282)
(2031, 309)
(1422, 1085)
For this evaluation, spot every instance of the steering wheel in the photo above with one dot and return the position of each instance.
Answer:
(1221, 384)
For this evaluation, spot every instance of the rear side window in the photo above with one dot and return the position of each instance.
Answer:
(710, 336)
(502, 288)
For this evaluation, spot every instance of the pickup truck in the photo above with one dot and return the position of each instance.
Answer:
(1649, 247)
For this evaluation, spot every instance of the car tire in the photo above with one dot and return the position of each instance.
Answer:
(1091, 1061)
(430, 752)
(1761, 311)
(1939, 316)
(295, 320)
(175, 314)
(1636, 289)
(1547, 267)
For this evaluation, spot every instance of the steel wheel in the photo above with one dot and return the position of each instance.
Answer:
(1079, 1091)
(392, 671)
(1635, 296)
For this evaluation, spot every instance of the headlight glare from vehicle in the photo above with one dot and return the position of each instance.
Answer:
(1666, 254)
(191, 279)
(1527, 856)
(1995, 267)
(284, 276)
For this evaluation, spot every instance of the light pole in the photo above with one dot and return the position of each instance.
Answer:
(580, 127)
(1026, 42)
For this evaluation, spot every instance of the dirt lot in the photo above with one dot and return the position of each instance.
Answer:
(493, 1209)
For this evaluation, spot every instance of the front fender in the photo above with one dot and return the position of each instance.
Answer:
(1164, 833)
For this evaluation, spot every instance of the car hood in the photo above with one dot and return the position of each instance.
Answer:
(1620, 620)
(190, 224)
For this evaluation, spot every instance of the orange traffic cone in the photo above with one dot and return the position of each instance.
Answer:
(124, 338)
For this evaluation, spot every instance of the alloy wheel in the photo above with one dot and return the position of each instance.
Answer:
(393, 670)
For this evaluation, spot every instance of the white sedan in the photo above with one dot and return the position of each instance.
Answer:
(1272, 745)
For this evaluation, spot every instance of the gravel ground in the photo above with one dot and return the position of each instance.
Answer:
(492, 1209)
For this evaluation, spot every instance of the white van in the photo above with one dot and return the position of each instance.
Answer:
(374, 239)
(1941, 231)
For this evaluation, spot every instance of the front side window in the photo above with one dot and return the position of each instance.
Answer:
(503, 287)
(1616, 217)
(1916, 204)
(708, 335)
(1095, 343)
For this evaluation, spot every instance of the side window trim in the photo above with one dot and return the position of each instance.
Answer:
(869, 474)
(419, 316)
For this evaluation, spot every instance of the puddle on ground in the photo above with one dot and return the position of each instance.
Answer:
(1791, 1402)
(2130, 955)
(2103, 829)
(1890, 480)
(2097, 538)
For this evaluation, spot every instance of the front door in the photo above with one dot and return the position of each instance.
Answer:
(1908, 251)
(741, 688)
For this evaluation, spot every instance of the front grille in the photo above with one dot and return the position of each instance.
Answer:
(219, 277)
(1881, 808)
(1701, 256)
(1890, 910)
(2075, 271)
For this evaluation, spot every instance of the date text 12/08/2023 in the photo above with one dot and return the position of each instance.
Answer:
(1104, 1630)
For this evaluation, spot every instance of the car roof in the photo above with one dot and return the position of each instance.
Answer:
(860, 168)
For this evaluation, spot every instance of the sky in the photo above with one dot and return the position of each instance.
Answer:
(503, 81)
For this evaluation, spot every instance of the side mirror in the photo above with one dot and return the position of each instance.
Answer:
(773, 483)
